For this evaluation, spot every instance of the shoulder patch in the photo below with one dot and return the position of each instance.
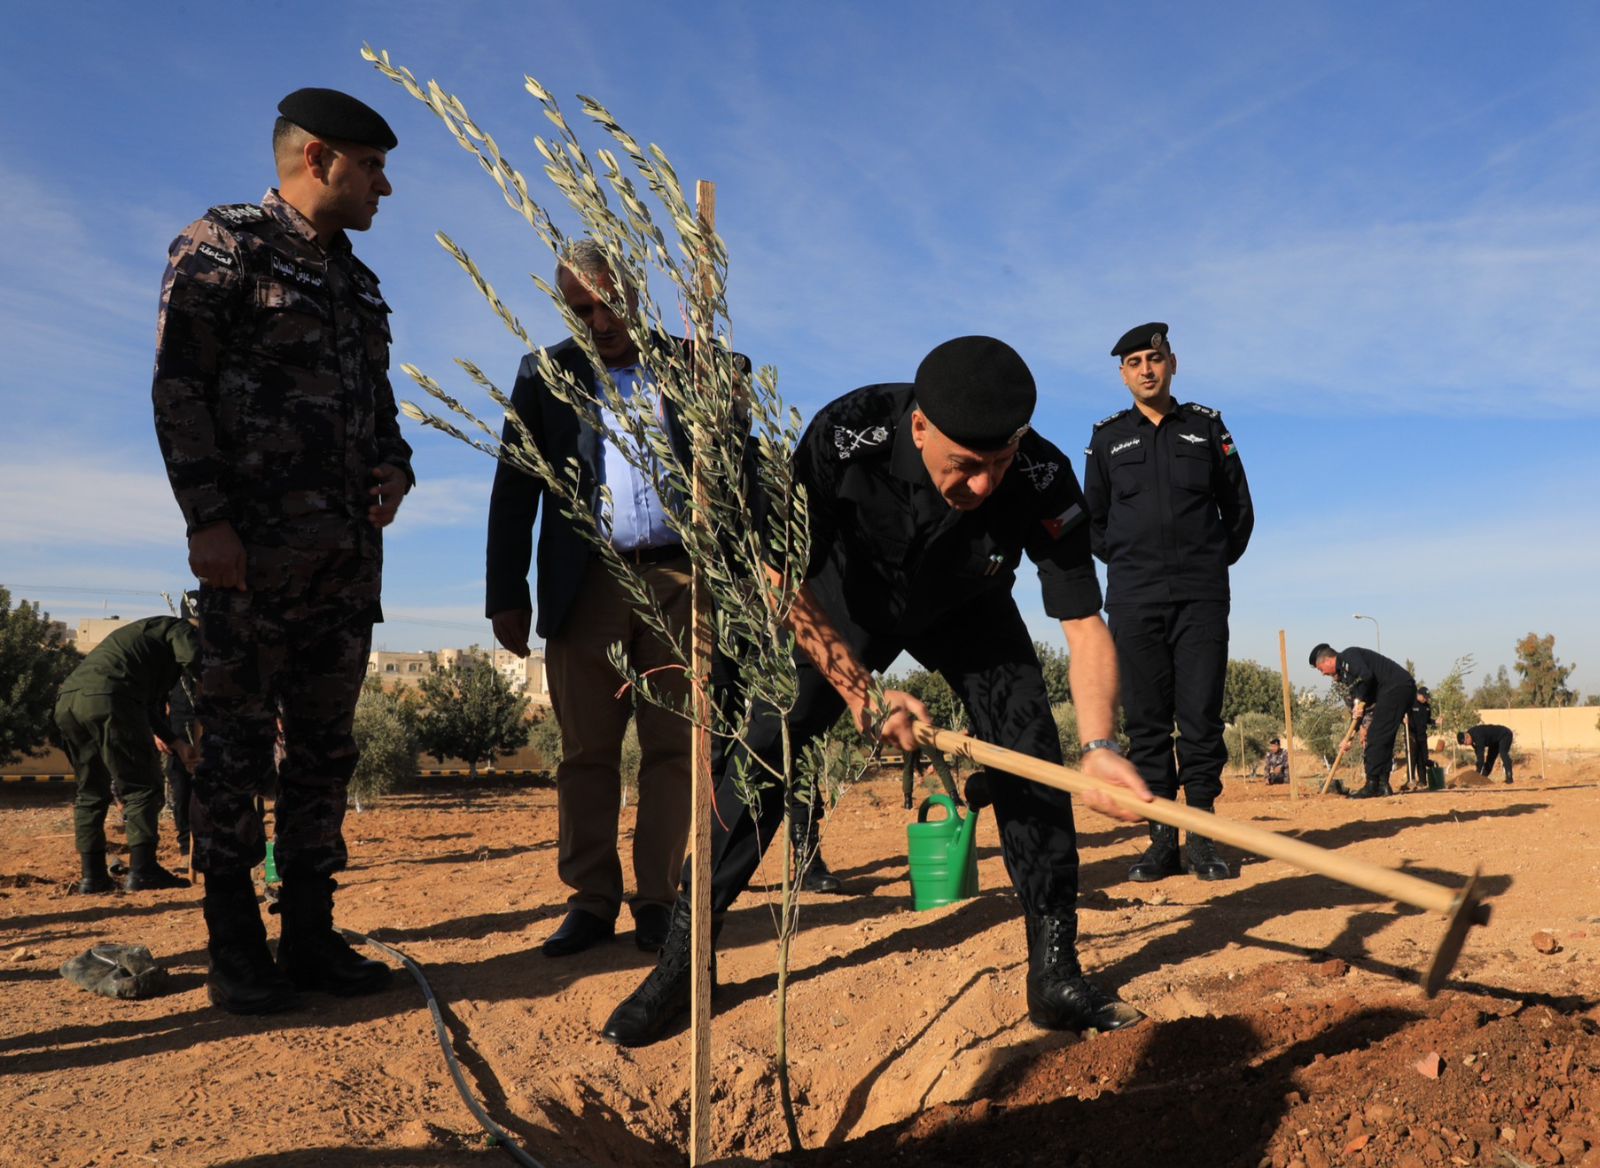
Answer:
(216, 255)
(1200, 409)
(1040, 472)
(1106, 421)
(850, 442)
(238, 214)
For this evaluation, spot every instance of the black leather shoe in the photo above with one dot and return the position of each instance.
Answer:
(1059, 996)
(1367, 792)
(581, 930)
(1201, 860)
(650, 925)
(1160, 858)
(99, 882)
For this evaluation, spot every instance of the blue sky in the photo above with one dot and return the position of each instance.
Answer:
(1373, 229)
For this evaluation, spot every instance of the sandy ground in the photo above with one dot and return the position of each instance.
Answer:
(1286, 1028)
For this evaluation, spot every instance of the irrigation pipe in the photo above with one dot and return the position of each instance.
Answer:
(495, 1131)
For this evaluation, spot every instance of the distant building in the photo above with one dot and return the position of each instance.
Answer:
(92, 630)
(524, 674)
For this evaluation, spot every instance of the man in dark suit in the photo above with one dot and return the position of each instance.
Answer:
(583, 610)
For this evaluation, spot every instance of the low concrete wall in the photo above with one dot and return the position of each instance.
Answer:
(1567, 728)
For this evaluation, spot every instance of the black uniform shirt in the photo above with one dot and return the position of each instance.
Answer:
(904, 556)
(1481, 736)
(1366, 674)
(1169, 506)
(1421, 716)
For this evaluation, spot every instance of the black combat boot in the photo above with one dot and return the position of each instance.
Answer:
(243, 979)
(311, 952)
(646, 1014)
(1370, 791)
(95, 877)
(1200, 857)
(1059, 996)
(803, 838)
(144, 873)
(1160, 858)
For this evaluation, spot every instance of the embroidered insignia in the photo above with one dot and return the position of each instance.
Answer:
(1040, 474)
(1127, 445)
(1061, 523)
(1193, 439)
(296, 273)
(240, 213)
(848, 441)
(216, 255)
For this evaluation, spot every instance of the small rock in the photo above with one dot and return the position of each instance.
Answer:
(1379, 1113)
(1357, 1144)
(20, 955)
(1429, 1065)
(1545, 942)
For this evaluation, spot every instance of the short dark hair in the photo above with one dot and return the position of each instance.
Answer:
(1274, 742)
(1461, 737)
(1321, 653)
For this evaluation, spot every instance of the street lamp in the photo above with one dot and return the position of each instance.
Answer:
(1377, 633)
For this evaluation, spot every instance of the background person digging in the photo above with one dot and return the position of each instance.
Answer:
(1169, 513)
(112, 713)
(1380, 692)
(1488, 741)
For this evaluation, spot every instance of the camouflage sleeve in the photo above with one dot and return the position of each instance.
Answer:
(199, 297)
(392, 448)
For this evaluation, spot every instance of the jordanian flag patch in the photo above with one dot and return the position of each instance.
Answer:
(1227, 445)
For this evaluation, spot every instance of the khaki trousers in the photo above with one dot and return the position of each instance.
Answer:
(592, 717)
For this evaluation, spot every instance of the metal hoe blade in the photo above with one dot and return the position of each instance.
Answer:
(1468, 910)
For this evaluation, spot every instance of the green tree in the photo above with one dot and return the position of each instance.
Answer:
(1453, 710)
(1496, 692)
(470, 712)
(1543, 678)
(935, 693)
(1249, 734)
(386, 732)
(1320, 720)
(1057, 665)
(545, 735)
(35, 659)
(1251, 688)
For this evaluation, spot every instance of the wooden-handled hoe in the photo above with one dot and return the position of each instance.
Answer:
(1462, 908)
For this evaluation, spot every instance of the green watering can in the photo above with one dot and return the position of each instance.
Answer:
(943, 855)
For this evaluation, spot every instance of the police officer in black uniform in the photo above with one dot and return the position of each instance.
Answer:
(1169, 512)
(1488, 741)
(1418, 718)
(1380, 692)
(922, 499)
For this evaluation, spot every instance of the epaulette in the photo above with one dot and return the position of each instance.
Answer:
(1206, 410)
(1106, 421)
(237, 214)
(362, 268)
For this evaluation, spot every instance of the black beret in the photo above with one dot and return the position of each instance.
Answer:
(1137, 340)
(1423, 692)
(977, 391)
(327, 113)
(1319, 651)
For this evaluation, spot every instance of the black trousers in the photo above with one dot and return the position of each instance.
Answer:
(986, 654)
(1497, 748)
(1386, 715)
(1173, 659)
(1418, 772)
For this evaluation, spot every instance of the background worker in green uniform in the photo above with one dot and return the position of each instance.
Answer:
(111, 711)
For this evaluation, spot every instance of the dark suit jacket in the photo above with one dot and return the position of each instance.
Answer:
(564, 554)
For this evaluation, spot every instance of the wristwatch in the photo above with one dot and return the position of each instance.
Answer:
(1102, 744)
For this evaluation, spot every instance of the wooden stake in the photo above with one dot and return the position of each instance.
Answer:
(1542, 777)
(705, 195)
(1288, 714)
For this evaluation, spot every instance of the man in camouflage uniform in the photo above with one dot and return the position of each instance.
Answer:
(278, 426)
(112, 713)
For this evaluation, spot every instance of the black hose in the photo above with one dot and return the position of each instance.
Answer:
(496, 1133)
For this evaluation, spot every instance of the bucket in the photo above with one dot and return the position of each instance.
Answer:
(270, 875)
(1435, 777)
(943, 855)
